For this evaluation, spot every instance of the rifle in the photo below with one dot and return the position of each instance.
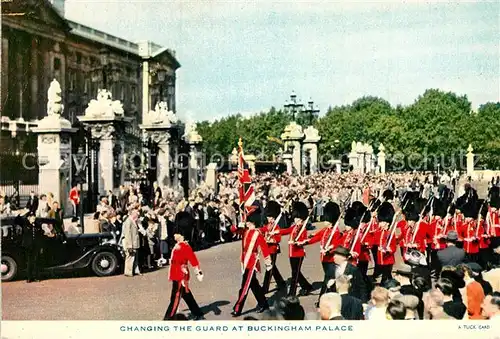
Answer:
(276, 221)
(303, 227)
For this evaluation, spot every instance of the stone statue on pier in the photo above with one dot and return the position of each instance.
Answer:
(160, 116)
(54, 103)
(104, 106)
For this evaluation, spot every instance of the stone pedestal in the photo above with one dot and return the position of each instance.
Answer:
(470, 161)
(292, 137)
(310, 145)
(337, 165)
(368, 158)
(54, 151)
(250, 160)
(381, 158)
(211, 176)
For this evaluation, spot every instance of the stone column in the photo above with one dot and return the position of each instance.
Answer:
(54, 150)
(293, 136)
(381, 158)
(470, 161)
(287, 158)
(211, 177)
(194, 140)
(353, 157)
(310, 143)
(158, 126)
(368, 158)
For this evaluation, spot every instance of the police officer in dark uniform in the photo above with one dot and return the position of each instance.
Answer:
(32, 243)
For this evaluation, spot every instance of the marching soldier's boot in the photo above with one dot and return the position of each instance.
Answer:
(249, 281)
(274, 273)
(298, 278)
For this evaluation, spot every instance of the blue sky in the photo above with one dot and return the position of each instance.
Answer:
(246, 56)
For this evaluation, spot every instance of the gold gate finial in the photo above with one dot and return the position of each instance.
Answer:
(240, 143)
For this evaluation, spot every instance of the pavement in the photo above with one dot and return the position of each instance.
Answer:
(146, 297)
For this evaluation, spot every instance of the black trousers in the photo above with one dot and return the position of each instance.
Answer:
(179, 292)
(363, 267)
(374, 251)
(275, 273)
(33, 262)
(297, 277)
(329, 270)
(385, 271)
(249, 281)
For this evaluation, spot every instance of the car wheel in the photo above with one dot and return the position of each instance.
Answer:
(104, 264)
(9, 268)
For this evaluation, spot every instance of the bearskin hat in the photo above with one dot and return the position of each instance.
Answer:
(299, 210)
(409, 197)
(385, 212)
(331, 212)
(354, 214)
(439, 208)
(452, 208)
(273, 209)
(495, 197)
(388, 195)
(184, 224)
(468, 207)
(255, 217)
(411, 211)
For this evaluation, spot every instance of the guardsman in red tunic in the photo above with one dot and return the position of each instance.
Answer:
(251, 242)
(329, 238)
(296, 252)
(387, 242)
(351, 238)
(470, 231)
(368, 223)
(271, 232)
(494, 213)
(484, 239)
(436, 232)
(182, 254)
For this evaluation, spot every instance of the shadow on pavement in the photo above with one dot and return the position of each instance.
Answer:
(213, 307)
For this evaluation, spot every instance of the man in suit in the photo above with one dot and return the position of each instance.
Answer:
(32, 204)
(352, 307)
(112, 200)
(451, 255)
(357, 287)
(131, 243)
(32, 240)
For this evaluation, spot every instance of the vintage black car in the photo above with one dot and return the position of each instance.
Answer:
(60, 252)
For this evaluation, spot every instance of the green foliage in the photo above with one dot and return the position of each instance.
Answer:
(437, 125)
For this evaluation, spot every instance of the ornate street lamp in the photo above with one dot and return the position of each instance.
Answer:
(311, 111)
(104, 58)
(293, 106)
(161, 80)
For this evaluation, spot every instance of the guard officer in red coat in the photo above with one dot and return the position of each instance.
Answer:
(252, 241)
(296, 252)
(182, 255)
(271, 232)
(387, 242)
(329, 238)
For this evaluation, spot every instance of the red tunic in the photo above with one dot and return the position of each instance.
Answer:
(436, 233)
(275, 239)
(182, 254)
(386, 258)
(471, 243)
(347, 241)
(364, 254)
(458, 225)
(323, 237)
(371, 238)
(494, 227)
(448, 224)
(402, 226)
(251, 242)
(484, 240)
(295, 251)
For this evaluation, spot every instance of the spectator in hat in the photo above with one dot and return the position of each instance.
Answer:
(394, 288)
(344, 267)
(451, 255)
(291, 309)
(491, 307)
(478, 276)
(403, 274)
(474, 294)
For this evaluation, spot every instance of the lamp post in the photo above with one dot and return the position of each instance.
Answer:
(311, 111)
(161, 80)
(105, 66)
(293, 106)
